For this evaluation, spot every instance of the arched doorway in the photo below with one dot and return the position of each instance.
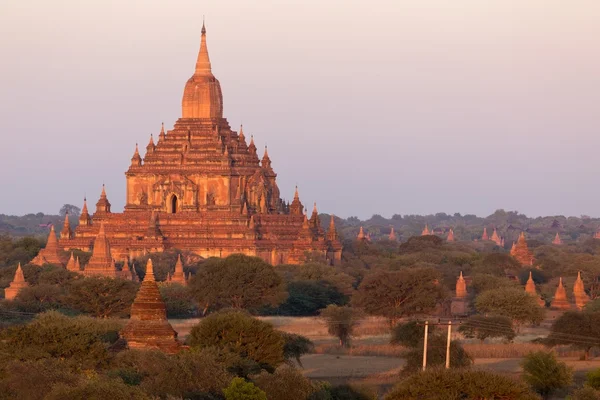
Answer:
(173, 204)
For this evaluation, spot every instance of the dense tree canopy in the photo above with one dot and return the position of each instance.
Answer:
(515, 304)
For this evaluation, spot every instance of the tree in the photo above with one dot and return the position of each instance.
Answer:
(32, 379)
(238, 333)
(444, 384)
(179, 301)
(100, 296)
(593, 379)
(436, 354)
(484, 282)
(39, 298)
(237, 281)
(516, 304)
(341, 322)
(545, 374)
(97, 389)
(306, 298)
(284, 384)
(295, 346)
(70, 209)
(585, 393)
(400, 293)
(324, 273)
(410, 334)
(580, 330)
(239, 389)
(483, 327)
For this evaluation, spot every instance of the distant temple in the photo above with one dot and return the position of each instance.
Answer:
(200, 187)
(426, 231)
(557, 240)
(530, 288)
(392, 237)
(485, 236)
(450, 237)
(581, 298)
(560, 301)
(496, 239)
(521, 252)
(16, 285)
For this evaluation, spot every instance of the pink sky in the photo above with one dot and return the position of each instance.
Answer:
(388, 107)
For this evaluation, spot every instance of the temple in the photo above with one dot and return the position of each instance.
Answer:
(496, 238)
(581, 298)
(450, 237)
(202, 188)
(557, 240)
(50, 253)
(485, 236)
(530, 288)
(392, 237)
(426, 231)
(148, 327)
(521, 252)
(16, 285)
(560, 301)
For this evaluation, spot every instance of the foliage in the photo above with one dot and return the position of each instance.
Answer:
(545, 374)
(580, 330)
(239, 389)
(484, 282)
(538, 276)
(316, 272)
(593, 379)
(237, 281)
(15, 251)
(238, 333)
(306, 298)
(515, 304)
(436, 354)
(400, 293)
(295, 346)
(483, 327)
(39, 298)
(410, 334)
(497, 264)
(353, 392)
(83, 341)
(100, 296)
(97, 389)
(341, 322)
(188, 374)
(284, 384)
(70, 209)
(442, 384)
(179, 301)
(585, 393)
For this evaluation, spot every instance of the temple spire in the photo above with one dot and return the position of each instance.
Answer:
(149, 271)
(203, 63)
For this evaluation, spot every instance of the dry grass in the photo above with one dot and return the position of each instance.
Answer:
(314, 327)
(517, 350)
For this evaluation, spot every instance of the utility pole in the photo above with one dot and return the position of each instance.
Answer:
(448, 345)
(425, 346)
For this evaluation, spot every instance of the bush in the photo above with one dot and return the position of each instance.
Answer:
(593, 379)
(410, 334)
(545, 374)
(179, 301)
(443, 384)
(353, 392)
(32, 380)
(97, 389)
(585, 393)
(285, 383)
(516, 304)
(483, 327)
(238, 333)
(239, 389)
(306, 298)
(436, 354)
(295, 346)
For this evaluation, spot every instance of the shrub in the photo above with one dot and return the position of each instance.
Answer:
(295, 346)
(179, 301)
(436, 354)
(97, 389)
(593, 379)
(545, 374)
(306, 298)
(285, 383)
(585, 393)
(409, 334)
(32, 380)
(483, 327)
(442, 384)
(239, 389)
(341, 322)
(512, 303)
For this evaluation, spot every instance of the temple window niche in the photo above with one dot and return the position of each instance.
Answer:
(172, 204)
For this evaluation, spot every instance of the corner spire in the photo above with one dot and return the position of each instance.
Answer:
(149, 271)
(203, 63)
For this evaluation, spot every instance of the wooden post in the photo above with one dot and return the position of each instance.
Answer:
(448, 345)
(425, 346)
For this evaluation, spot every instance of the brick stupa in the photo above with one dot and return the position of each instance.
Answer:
(101, 262)
(521, 252)
(50, 253)
(530, 288)
(495, 238)
(485, 236)
(16, 285)
(392, 237)
(450, 237)
(560, 301)
(148, 327)
(361, 234)
(197, 188)
(178, 275)
(72, 264)
(426, 231)
(461, 287)
(557, 240)
(581, 298)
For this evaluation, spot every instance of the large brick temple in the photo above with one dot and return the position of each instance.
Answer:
(201, 187)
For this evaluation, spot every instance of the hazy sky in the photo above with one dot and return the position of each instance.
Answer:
(380, 106)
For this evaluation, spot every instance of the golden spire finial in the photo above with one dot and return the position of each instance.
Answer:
(203, 63)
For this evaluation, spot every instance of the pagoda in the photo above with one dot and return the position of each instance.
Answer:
(557, 240)
(485, 236)
(461, 287)
(72, 264)
(178, 276)
(101, 262)
(581, 298)
(50, 253)
(16, 285)
(361, 234)
(521, 252)
(530, 288)
(202, 187)
(148, 327)
(560, 301)
(426, 231)
(392, 237)
(495, 238)
(459, 304)
(450, 237)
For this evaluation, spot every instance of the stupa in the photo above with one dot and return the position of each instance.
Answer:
(450, 237)
(485, 236)
(392, 237)
(461, 287)
(148, 327)
(495, 238)
(101, 262)
(16, 285)
(178, 276)
(560, 301)
(530, 288)
(72, 264)
(426, 231)
(557, 240)
(50, 253)
(201, 187)
(581, 298)
(521, 252)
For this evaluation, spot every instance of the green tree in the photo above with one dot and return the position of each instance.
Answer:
(295, 346)
(341, 322)
(585, 393)
(179, 301)
(593, 379)
(410, 334)
(39, 298)
(101, 297)
(33, 379)
(237, 281)
(400, 293)
(580, 330)
(97, 389)
(284, 384)
(451, 384)
(239, 389)
(484, 282)
(70, 209)
(483, 327)
(545, 374)
(436, 354)
(306, 298)
(515, 304)
(238, 333)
